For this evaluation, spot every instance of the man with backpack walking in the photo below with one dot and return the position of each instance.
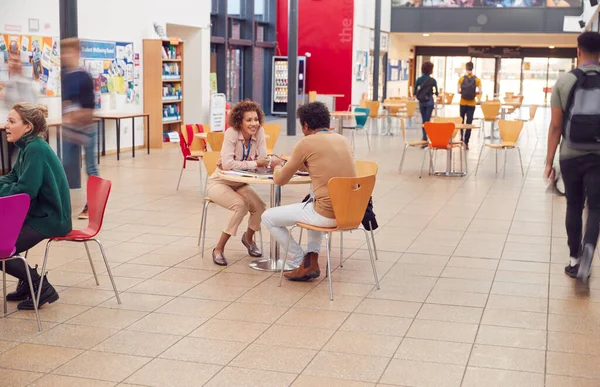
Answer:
(469, 86)
(576, 120)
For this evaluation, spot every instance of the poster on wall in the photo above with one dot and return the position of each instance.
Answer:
(452, 3)
(564, 4)
(406, 3)
(405, 65)
(111, 65)
(40, 57)
(394, 70)
(362, 63)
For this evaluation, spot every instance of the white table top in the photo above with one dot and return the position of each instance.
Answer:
(262, 181)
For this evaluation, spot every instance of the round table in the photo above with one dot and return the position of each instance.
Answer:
(345, 114)
(401, 106)
(272, 263)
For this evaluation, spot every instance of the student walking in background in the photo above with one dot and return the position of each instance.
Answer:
(469, 87)
(78, 110)
(425, 88)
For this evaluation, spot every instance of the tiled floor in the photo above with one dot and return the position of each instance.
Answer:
(472, 290)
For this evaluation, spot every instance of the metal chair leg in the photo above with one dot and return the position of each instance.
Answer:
(373, 238)
(43, 273)
(496, 161)
(112, 280)
(4, 286)
(202, 236)
(285, 256)
(402, 159)
(521, 161)
(261, 241)
(200, 168)
(300, 239)
(179, 181)
(35, 302)
(328, 243)
(372, 260)
(504, 173)
(368, 142)
(479, 160)
(423, 162)
(341, 249)
(87, 249)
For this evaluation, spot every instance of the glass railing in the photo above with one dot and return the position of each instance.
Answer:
(488, 3)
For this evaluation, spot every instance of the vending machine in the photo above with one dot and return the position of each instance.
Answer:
(279, 95)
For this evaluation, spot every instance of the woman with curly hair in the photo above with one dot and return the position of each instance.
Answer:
(244, 147)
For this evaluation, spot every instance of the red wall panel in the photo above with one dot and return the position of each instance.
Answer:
(325, 29)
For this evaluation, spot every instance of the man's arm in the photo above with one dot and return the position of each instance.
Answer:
(283, 175)
(460, 81)
(554, 134)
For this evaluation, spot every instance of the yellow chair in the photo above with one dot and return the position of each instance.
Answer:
(211, 160)
(215, 140)
(349, 199)
(272, 132)
(312, 96)
(490, 110)
(508, 95)
(373, 107)
(532, 111)
(411, 144)
(448, 98)
(509, 134)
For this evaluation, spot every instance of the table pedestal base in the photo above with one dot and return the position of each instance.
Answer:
(267, 264)
(450, 174)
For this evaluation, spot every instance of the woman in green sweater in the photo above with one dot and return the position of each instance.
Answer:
(39, 174)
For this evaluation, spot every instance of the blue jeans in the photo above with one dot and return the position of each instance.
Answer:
(86, 139)
(426, 111)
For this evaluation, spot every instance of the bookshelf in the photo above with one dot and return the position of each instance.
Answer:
(163, 87)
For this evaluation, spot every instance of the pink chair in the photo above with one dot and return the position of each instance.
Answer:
(13, 210)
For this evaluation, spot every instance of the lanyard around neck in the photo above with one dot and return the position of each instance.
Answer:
(246, 150)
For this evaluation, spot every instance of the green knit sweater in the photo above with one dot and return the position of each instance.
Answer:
(39, 174)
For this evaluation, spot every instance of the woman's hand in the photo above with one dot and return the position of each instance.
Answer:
(262, 162)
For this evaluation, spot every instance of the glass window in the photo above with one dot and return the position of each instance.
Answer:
(509, 76)
(234, 7)
(260, 10)
(535, 72)
(485, 69)
(455, 68)
(235, 73)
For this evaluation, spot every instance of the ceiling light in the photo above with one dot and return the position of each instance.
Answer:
(551, 47)
(425, 35)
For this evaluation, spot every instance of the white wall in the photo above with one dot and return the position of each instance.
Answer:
(364, 23)
(127, 21)
(132, 21)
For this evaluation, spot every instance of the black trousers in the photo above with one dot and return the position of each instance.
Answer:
(466, 113)
(582, 181)
(27, 239)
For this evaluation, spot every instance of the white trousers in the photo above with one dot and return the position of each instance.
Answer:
(278, 219)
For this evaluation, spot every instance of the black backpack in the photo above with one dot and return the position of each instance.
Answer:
(468, 88)
(581, 122)
(425, 92)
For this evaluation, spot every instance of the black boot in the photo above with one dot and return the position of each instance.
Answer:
(49, 295)
(22, 290)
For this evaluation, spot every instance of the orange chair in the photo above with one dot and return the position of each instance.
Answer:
(312, 96)
(186, 140)
(349, 199)
(410, 144)
(215, 140)
(440, 137)
(272, 132)
(509, 134)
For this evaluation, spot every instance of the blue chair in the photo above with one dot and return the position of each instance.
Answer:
(360, 124)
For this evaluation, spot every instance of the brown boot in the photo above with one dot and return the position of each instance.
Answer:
(308, 270)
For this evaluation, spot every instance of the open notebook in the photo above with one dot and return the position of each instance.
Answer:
(259, 173)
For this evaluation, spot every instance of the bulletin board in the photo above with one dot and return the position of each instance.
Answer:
(40, 56)
(112, 66)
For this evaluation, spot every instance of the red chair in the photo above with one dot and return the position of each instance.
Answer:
(98, 191)
(186, 140)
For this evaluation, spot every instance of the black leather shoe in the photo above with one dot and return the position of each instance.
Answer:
(20, 294)
(219, 259)
(49, 295)
(22, 291)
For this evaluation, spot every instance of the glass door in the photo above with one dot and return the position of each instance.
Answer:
(455, 68)
(235, 81)
(485, 69)
(556, 68)
(535, 73)
(509, 76)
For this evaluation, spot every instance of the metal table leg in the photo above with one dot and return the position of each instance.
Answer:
(118, 121)
(148, 132)
(98, 141)
(133, 137)
(273, 263)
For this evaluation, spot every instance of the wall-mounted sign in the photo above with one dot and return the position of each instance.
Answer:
(492, 52)
(12, 28)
